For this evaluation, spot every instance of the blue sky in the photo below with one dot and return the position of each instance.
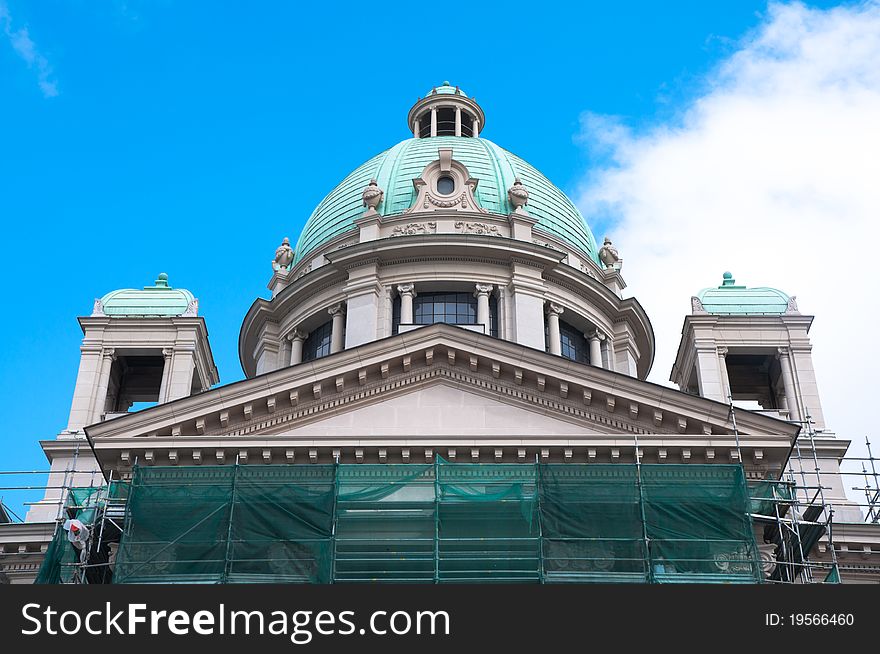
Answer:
(140, 137)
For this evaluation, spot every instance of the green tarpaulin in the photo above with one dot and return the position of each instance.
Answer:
(437, 523)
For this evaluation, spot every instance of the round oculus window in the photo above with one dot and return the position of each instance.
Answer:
(445, 185)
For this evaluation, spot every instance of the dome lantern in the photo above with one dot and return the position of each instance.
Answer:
(446, 111)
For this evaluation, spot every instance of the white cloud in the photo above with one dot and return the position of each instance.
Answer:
(772, 173)
(25, 48)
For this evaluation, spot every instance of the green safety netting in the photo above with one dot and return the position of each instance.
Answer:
(438, 523)
(769, 497)
(58, 566)
(228, 524)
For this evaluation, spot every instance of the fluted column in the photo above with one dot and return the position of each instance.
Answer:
(336, 332)
(297, 338)
(595, 338)
(553, 336)
(788, 384)
(407, 292)
(725, 380)
(458, 121)
(433, 121)
(482, 295)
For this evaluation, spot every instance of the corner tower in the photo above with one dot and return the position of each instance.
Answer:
(750, 345)
(140, 347)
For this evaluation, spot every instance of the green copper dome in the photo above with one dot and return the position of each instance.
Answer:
(494, 167)
(730, 299)
(158, 300)
(445, 89)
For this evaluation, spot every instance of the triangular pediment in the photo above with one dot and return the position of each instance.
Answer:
(438, 409)
(435, 386)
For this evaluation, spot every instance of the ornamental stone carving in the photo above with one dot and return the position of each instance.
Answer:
(545, 244)
(445, 184)
(595, 335)
(372, 196)
(588, 271)
(336, 310)
(518, 196)
(307, 269)
(609, 255)
(297, 335)
(192, 309)
(482, 229)
(98, 309)
(697, 305)
(767, 554)
(414, 229)
(792, 306)
(283, 256)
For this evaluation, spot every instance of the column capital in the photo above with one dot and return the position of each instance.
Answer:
(167, 352)
(722, 351)
(407, 289)
(595, 335)
(554, 309)
(297, 335)
(782, 352)
(109, 353)
(336, 310)
(483, 289)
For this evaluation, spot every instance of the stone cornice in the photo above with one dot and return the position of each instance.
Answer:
(26, 532)
(386, 251)
(263, 310)
(135, 328)
(758, 324)
(629, 310)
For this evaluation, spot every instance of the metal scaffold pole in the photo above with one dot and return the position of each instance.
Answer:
(644, 519)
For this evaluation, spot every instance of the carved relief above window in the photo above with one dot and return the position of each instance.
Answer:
(445, 184)
(482, 229)
(414, 229)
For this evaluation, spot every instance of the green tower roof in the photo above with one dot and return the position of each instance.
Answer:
(730, 299)
(158, 300)
(495, 168)
(445, 89)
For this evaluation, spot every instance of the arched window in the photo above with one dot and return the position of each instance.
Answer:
(453, 308)
(317, 345)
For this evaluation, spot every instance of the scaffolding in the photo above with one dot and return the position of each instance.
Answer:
(439, 523)
(446, 522)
